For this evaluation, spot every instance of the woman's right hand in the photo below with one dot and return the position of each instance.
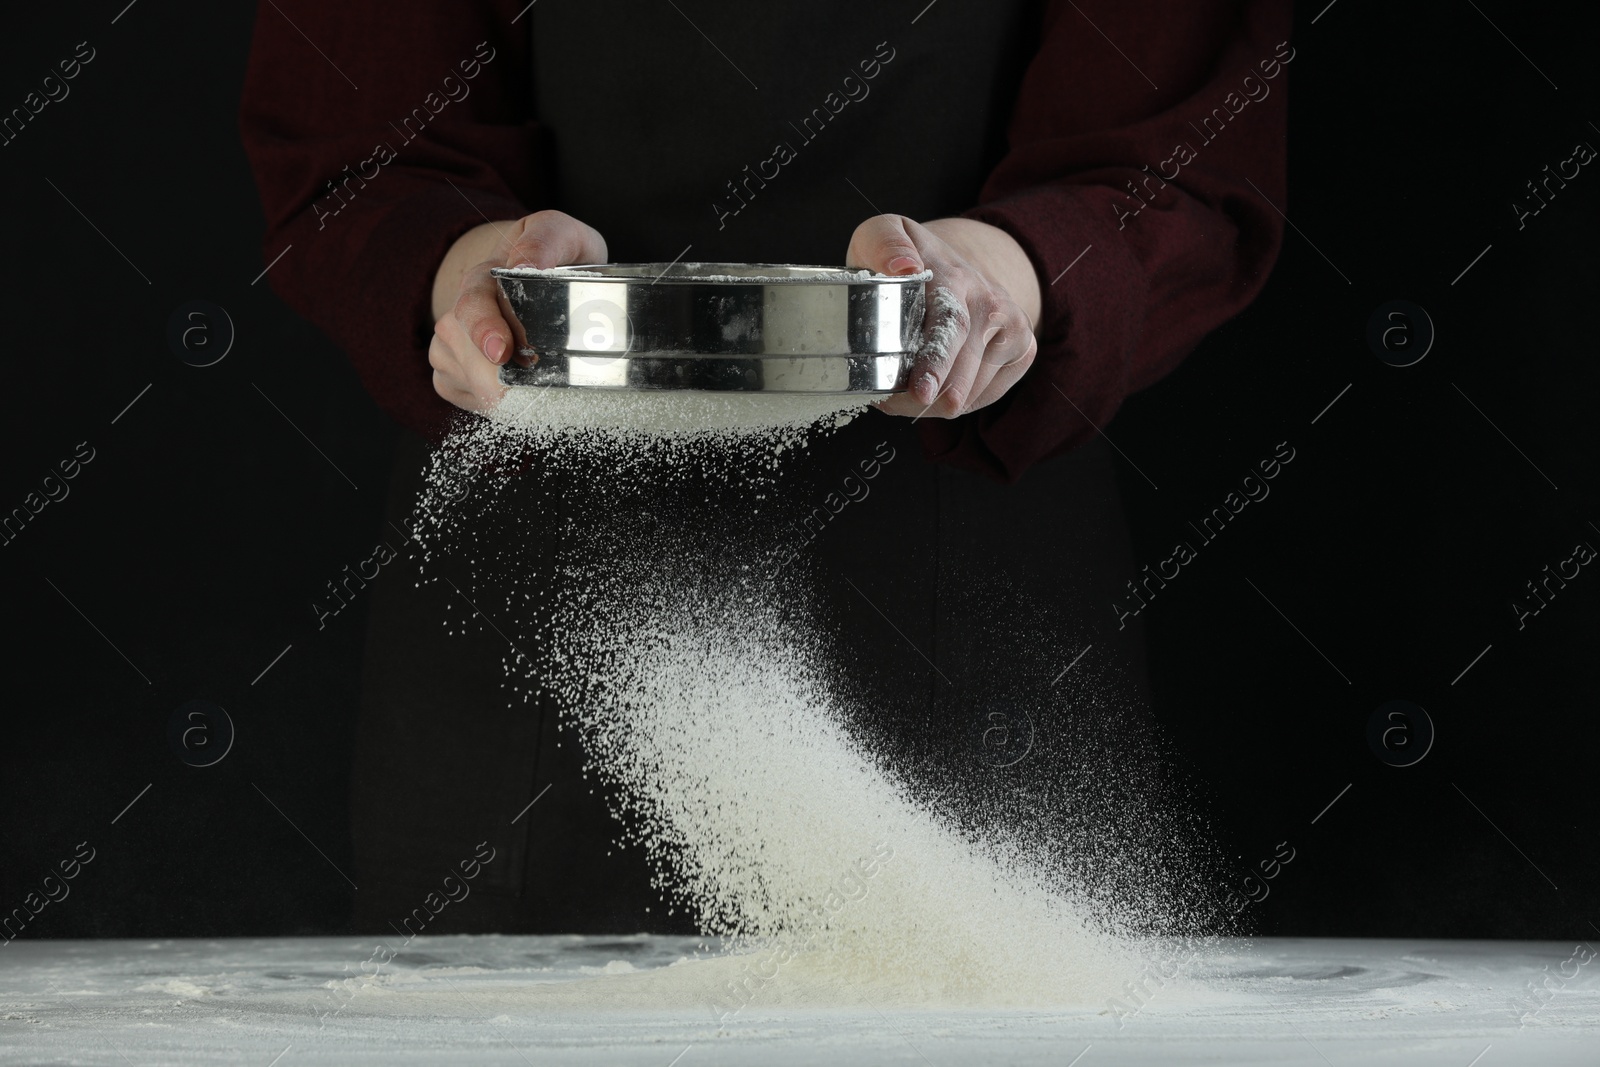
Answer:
(471, 338)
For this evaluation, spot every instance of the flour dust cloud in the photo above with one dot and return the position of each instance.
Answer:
(821, 864)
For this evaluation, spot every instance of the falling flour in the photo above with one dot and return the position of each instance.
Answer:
(656, 435)
(643, 417)
(704, 699)
(779, 829)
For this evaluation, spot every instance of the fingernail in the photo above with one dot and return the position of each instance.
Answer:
(926, 388)
(903, 265)
(494, 348)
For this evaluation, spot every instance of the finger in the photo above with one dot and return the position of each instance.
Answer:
(1002, 383)
(902, 404)
(1007, 344)
(945, 332)
(477, 313)
(471, 398)
(957, 386)
(884, 244)
(949, 323)
(1006, 376)
(469, 380)
(447, 373)
(544, 239)
(932, 366)
(483, 381)
(988, 363)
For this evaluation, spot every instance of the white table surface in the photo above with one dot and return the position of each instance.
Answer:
(551, 1000)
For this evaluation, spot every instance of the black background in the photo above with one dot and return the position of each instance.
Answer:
(207, 521)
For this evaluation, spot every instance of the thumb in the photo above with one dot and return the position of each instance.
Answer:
(884, 244)
(555, 239)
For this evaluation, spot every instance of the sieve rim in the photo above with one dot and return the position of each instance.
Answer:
(710, 273)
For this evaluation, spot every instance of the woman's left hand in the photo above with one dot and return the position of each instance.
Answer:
(983, 300)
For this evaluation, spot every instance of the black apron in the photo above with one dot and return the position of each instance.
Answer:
(964, 604)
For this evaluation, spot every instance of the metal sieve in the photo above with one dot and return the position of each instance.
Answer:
(721, 327)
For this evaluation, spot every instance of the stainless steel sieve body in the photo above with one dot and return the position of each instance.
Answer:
(722, 327)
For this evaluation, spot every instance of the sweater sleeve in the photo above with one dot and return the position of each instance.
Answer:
(377, 136)
(1141, 151)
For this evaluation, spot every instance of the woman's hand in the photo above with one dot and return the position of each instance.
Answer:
(471, 338)
(982, 302)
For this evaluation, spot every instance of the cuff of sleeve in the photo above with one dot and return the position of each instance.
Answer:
(1091, 285)
(399, 262)
(1086, 268)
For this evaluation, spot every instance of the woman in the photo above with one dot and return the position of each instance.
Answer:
(1091, 180)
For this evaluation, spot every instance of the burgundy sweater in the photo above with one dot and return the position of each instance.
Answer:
(1135, 150)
